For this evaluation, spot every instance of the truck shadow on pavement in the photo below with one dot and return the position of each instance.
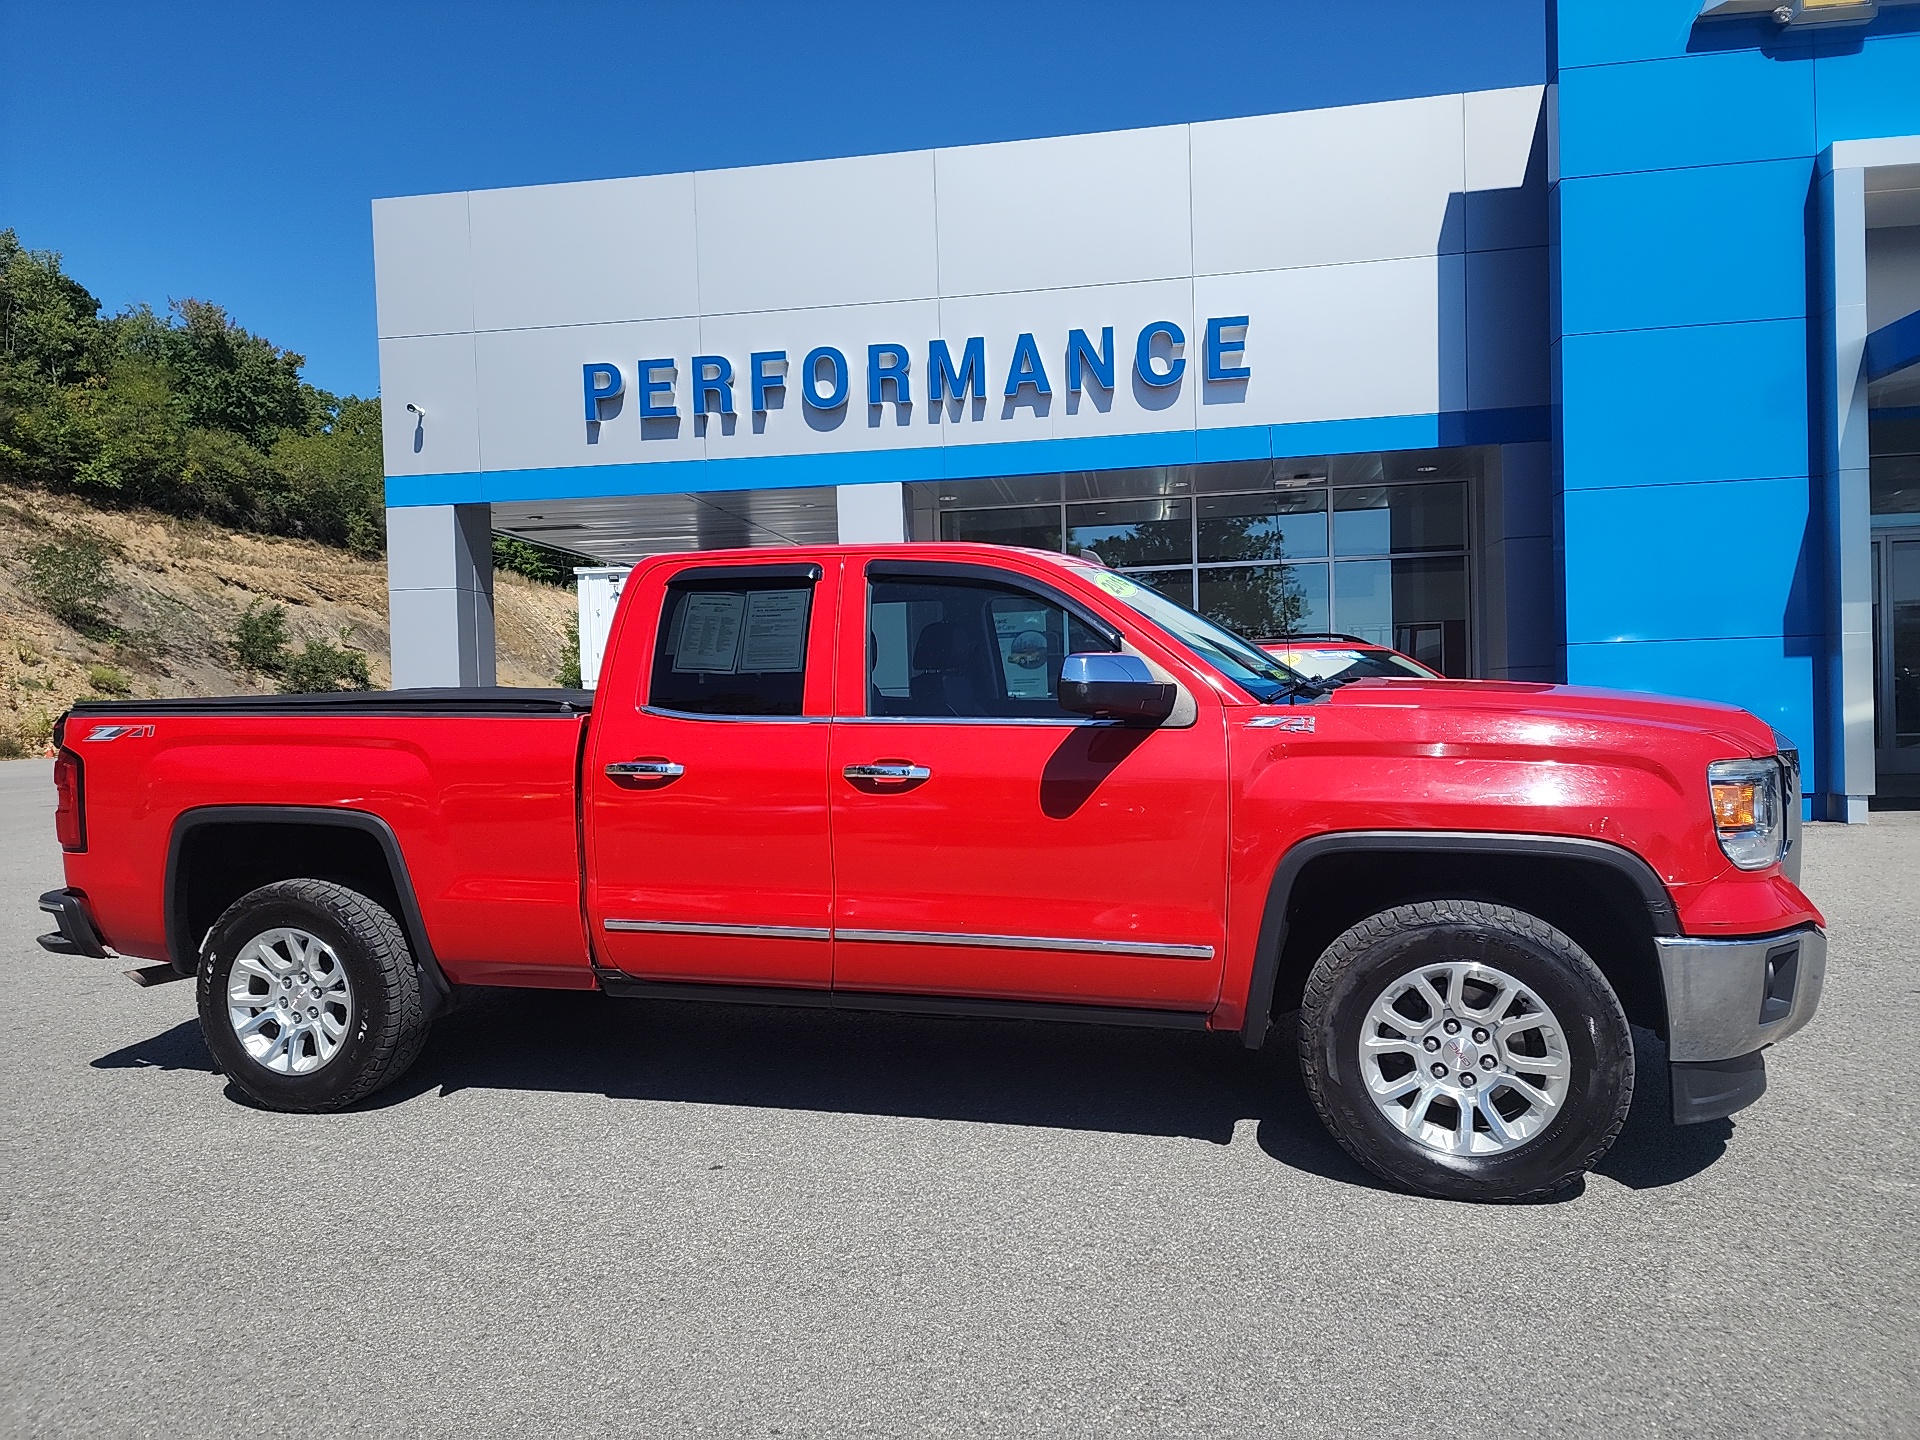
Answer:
(1003, 1072)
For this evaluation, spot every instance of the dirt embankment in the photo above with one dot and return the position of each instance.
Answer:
(172, 593)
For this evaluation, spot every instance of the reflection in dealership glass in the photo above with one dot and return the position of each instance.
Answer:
(1241, 661)
(1367, 546)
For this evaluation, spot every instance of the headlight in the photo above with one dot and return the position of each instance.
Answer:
(1747, 812)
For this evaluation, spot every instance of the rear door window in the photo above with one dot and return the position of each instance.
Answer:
(733, 645)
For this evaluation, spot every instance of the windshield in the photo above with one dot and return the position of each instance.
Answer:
(1241, 661)
(1341, 667)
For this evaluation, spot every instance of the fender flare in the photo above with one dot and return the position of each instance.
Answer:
(184, 954)
(1273, 921)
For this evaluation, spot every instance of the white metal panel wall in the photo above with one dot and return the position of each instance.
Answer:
(584, 254)
(1387, 255)
(597, 589)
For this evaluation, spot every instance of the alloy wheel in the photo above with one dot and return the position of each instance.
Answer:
(1464, 1059)
(289, 1001)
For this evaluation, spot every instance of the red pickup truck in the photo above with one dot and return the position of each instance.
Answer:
(969, 780)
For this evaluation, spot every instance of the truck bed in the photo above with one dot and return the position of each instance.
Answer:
(477, 788)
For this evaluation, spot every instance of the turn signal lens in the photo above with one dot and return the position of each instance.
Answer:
(1734, 804)
(1747, 815)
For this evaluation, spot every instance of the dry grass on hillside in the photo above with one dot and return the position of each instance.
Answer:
(175, 591)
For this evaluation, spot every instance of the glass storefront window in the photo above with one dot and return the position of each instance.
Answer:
(1147, 483)
(1395, 519)
(1263, 602)
(1035, 526)
(1363, 591)
(1419, 607)
(1285, 525)
(1373, 545)
(1127, 533)
(1894, 484)
(1174, 584)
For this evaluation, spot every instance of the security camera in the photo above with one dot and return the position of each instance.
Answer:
(415, 409)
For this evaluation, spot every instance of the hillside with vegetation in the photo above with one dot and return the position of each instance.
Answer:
(181, 513)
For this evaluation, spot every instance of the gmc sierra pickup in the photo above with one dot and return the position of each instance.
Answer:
(970, 780)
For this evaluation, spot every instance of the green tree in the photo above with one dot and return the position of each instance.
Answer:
(228, 378)
(50, 330)
(332, 479)
(536, 562)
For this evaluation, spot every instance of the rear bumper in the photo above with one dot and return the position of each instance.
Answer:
(75, 934)
(1726, 1001)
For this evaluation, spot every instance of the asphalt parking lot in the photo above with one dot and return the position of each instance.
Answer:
(580, 1215)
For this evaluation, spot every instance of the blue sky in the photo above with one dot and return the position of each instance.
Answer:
(229, 152)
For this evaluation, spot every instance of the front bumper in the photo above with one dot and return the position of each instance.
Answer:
(1726, 1000)
(1730, 997)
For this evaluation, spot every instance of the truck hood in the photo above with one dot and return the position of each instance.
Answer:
(1556, 714)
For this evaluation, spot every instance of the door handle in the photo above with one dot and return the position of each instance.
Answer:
(646, 769)
(887, 770)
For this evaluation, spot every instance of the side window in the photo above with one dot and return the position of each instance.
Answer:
(968, 650)
(732, 646)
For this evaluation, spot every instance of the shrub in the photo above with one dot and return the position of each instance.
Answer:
(108, 681)
(260, 638)
(569, 676)
(320, 666)
(69, 577)
(25, 734)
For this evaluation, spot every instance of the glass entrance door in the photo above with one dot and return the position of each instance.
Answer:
(1896, 653)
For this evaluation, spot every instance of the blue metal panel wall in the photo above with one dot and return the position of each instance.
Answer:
(1685, 403)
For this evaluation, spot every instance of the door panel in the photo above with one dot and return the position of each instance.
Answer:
(709, 854)
(1040, 856)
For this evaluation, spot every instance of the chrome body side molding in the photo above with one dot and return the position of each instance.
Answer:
(750, 932)
(1152, 949)
(1030, 942)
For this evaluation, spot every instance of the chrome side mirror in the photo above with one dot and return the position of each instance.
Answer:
(1114, 687)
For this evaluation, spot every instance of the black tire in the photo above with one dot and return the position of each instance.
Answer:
(1370, 959)
(386, 1024)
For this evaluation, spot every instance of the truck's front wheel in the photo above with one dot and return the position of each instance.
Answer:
(309, 997)
(1466, 1050)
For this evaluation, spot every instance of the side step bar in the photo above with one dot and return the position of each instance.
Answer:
(627, 987)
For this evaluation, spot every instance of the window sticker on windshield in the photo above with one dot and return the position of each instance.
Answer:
(1118, 586)
(710, 634)
(1321, 664)
(776, 634)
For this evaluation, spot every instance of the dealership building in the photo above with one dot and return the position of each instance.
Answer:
(1612, 379)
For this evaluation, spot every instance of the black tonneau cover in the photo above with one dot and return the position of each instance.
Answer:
(492, 700)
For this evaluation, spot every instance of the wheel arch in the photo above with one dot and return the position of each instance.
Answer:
(1505, 867)
(353, 845)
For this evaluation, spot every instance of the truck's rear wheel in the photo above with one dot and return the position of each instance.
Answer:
(309, 997)
(1466, 1050)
